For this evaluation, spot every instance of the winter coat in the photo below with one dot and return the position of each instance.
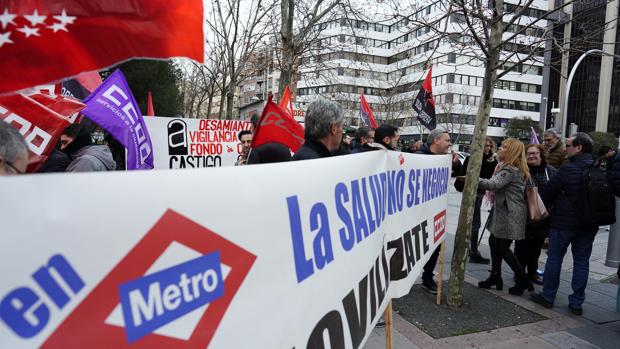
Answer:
(312, 149)
(509, 210)
(541, 175)
(556, 156)
(92, 158)
(486, 171)
(560, 195)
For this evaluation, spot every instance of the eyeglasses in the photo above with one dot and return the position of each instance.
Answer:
(11, 166)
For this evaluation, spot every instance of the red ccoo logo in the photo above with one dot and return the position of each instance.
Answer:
(440, 225)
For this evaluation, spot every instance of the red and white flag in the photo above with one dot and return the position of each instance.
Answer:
(286, 102)
(41, 124)
(48, 40)
(276, 125)
(366, 114)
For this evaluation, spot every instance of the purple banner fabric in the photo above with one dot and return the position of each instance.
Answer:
(533, 136)
(113, 107)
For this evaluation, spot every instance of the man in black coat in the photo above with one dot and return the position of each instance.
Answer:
(437, 143)
(363, 137)
(561, 193)
(324, 127)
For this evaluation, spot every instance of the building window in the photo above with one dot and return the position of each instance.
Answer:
(451, 57)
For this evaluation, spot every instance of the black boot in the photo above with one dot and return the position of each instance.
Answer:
(476, 257)
(495, 279)
(522, 284)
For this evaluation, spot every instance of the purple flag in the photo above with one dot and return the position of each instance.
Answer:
(533, 136)
(113, 107)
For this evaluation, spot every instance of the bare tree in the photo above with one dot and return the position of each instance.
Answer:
(504, 38)
(239, 27)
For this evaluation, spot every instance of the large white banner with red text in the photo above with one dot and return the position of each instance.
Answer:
(167, 259)
(194, 143)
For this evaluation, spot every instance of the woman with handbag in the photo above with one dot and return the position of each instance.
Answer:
(528, 249)
(509, 214)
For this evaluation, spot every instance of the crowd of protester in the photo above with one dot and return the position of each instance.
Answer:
(555, 168)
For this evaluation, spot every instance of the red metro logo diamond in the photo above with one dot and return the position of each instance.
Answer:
(170, 291)
(440, 225)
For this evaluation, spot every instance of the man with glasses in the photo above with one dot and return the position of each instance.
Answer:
(13, 151)
(363, 136)
(556, 152)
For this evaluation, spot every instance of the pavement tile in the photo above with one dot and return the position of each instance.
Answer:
(606, 336)
(523, 343)
(566, 340)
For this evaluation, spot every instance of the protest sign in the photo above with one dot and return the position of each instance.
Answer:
(194, 143)
(157, 260)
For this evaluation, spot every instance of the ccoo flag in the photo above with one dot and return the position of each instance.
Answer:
(366, 114)
(113, 107)
(276, 125)
(424, 104)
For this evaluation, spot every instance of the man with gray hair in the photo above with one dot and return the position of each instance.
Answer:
(323, 130)
(556, 151)
(438, 142)
(13, 151)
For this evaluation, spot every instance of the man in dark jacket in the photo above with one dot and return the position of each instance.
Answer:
(323, 130)
(437, 143)
(386, 137)
(77, 142)
(561, 193)
(363, 136)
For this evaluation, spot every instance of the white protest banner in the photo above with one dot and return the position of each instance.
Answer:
(194, 143)
(157, 259)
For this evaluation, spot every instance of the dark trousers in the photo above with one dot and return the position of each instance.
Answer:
(528, 252)
(475, 225)
(429, 267)
(581, 247)
(500, 250)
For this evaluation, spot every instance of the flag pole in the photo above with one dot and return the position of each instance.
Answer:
(440, 276)
(389, 324)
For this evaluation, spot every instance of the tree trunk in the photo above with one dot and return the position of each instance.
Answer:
(222, 101)
(287, 10)
(462, 237)
(210, 103)
(229, 103)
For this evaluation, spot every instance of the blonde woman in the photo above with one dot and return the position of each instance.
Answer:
(509, 214)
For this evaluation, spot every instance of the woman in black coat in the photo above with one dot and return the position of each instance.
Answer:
(528, 249)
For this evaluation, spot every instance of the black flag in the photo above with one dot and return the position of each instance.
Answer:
(424, 104)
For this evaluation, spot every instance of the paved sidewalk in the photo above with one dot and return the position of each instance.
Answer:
(599, 327)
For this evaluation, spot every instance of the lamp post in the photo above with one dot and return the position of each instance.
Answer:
(568, 84)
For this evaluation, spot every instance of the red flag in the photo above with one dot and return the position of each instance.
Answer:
(286, 102)
(65, 106)
(366, 114)
(276, 125)
(424, 104)
(40, 126)
(47, 40)
(150, 111)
